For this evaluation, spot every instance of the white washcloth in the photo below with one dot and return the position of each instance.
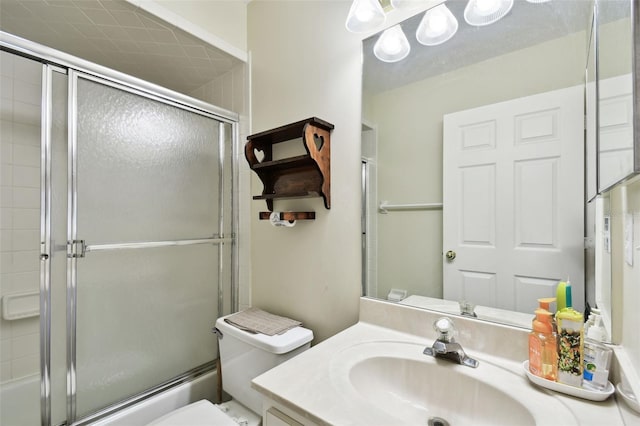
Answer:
(255, 320)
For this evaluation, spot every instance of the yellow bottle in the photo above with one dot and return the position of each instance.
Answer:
(570, 325)
(543, 347)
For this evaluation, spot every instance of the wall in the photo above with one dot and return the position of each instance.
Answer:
(625, 277)
(418, 148)
(304, 64)
(20, 209)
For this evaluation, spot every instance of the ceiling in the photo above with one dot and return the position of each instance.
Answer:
(121, 36)
(525, 25)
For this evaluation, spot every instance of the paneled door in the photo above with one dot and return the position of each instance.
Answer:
(513, 200)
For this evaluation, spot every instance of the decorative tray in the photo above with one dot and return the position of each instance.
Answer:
(593, 395)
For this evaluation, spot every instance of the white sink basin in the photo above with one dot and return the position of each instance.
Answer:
(398, 380)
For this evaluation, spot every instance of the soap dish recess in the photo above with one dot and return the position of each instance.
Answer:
(592, 395)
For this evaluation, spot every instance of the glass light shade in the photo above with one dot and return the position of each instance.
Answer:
(392, 45)
(406, 4)
(538, 1)
(364, 15)
(437, 26)
(486, 12)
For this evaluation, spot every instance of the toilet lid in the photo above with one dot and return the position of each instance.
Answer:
(201, 413)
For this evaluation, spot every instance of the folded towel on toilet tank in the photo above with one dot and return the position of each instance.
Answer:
(255, 320)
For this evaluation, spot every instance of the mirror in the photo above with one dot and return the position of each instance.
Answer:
(618, 149)
(409, 108)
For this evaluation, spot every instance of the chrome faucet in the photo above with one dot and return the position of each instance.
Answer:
(445, 345)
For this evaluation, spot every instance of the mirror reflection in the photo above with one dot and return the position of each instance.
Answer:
(473, 163)
(615, 89)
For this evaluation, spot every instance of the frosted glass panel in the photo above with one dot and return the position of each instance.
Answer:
(147, 171)
(144, 316)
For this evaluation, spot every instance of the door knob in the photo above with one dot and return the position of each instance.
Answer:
(450, 255)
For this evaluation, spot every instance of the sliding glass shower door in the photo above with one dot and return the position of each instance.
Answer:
(149, 230)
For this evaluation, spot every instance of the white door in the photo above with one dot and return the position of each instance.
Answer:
(513, 200)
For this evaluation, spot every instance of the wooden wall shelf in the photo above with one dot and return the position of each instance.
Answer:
(306, 175)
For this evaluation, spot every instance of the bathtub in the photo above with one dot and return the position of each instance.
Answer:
(20, 402)
(202, 387)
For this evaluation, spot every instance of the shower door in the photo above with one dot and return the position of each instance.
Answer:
(149, 230)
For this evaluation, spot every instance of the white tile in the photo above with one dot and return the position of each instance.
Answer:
(26, 261)
(6, 218)
(27, 70)
(6, 64)
(26, 134)
(19, 282)
(127, 18)
(5, 349)
(25, 240)
(6, 87)
(100, 17)
(6, 174)
(26, 198)
(25, 345)
(25, 326)
(6, 196)
(6, 240)
(26, 113)
(26, 155)
(5, 371)
(26, 176)
(6, 109)
(6, 331)
(25, 366)
(6, 131)
(26, 218)
(29, 93)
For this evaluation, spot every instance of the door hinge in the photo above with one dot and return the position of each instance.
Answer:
(76, 248)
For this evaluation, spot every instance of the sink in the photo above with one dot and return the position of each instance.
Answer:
(397, 380)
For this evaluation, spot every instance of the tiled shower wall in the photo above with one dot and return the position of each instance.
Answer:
(20, 95)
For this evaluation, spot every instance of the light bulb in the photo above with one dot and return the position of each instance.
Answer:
(392, 45)
(364, 15)
(437, 26)
(437, 23)
(485, 12)
(487, 7)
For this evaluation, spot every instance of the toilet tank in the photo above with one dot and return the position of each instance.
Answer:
(245, 355)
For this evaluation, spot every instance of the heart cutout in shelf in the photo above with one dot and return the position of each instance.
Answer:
(318, 140)
(259, 154)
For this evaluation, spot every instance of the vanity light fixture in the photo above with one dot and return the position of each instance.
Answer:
(486, 12)
(364, 15)
(437, 26)
(392, 46)
(406, 4)
(538, 1)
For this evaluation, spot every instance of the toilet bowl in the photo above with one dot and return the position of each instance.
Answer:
(243, 356)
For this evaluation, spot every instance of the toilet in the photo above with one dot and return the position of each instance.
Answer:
(243, 356)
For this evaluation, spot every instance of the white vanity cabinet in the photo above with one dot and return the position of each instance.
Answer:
(274, 414)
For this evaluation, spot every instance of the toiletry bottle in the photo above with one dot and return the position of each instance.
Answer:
(543, 347)
(545, 304)
(570, 325)
(597, 356)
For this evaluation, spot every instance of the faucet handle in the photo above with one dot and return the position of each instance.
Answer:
(444, 327)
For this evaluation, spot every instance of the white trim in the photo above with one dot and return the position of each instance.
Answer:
(162, 12)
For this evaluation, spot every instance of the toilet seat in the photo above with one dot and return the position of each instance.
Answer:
(200, 413)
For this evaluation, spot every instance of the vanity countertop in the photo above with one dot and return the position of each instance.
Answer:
(306, 384)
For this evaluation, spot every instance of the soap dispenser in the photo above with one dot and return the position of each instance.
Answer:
(543, 344)
(570, 325)
(597, 356)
